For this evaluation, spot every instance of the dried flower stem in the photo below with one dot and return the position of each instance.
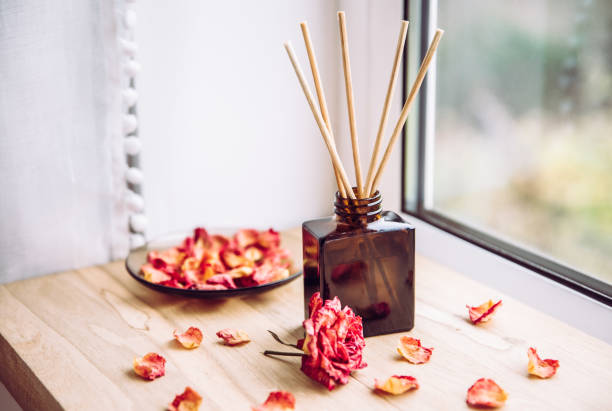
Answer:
(277, 338)
(288, 354)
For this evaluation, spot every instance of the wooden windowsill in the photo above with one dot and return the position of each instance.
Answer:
(68, 340)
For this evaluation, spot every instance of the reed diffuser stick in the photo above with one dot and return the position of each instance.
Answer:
(404, 114)
(321, 96)
(348, 82)
(397, 62)
(337, 163)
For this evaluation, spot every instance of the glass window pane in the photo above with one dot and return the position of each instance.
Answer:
(411, 148)
(523, 140)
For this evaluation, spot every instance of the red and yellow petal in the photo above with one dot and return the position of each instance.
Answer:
(253, 254)
(486, 393)
(189, 400)
(483, 312)
(397, 384)
(240, 272)
(277, 401)
(192, 338)
(541, 368)
(269, 273)
(412, 350)
(269, 239)
(153, 275)
(246, 237)
(171, 257)
(151, 366)
(233, 337)
(233, 259)
(225, 280)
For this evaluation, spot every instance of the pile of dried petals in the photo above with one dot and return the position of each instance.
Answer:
(278, 401)
(541, 368)
(216, 262)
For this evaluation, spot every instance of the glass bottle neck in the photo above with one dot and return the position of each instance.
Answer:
(359, 211)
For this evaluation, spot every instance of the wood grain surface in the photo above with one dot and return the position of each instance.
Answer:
(68, 340)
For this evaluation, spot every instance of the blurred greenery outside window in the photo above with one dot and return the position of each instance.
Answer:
(516, 139)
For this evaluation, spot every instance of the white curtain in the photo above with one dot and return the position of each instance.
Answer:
(61, 155)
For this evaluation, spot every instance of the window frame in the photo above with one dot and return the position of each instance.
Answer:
(425, 116)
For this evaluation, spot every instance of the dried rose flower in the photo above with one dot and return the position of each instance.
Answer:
(411, 349)
(192, 338)
(277, 401)
(541, 368)
(397, 384)
(486, 393)
(334, 342)
(483, 312)
(189, 400)
(151, 366)
(233, 337)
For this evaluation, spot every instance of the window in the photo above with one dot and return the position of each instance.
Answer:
(510, 146)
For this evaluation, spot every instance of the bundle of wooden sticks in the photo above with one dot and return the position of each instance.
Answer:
(322, 116)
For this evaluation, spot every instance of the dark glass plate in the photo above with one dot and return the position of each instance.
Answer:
(138, 257)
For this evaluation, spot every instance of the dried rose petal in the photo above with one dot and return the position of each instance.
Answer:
(186, 246)
(172, 283)
(315, 303)
(192, 338)
(278, 256)
(154, 275)
(224, 279)
(269, 239)
(411, 349)
(541, 368)
(397, 384)
(190, 263)
(218, 242)
(246, 237)
(213, 260)
(191, 271)
(151, 366)
(486, 393)
(233, 337)
(171, 257)
(189, 400)
(269, 273)
(200, 235)
(483, 312)
(207, 272)
(277, 401)
(253, 254)
(240, 272)
(233, 258)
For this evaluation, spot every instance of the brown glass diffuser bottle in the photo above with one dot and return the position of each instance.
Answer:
(365, 257)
